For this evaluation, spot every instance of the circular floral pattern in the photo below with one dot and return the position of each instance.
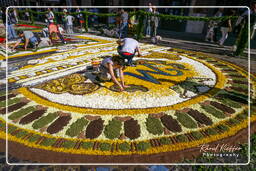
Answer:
(176, 100)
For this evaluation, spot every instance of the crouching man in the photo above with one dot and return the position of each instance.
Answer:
(127, 49)
(28, 38)
(110, 69)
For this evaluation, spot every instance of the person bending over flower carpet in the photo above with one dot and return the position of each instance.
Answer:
(127, 49)
(110, 69)
(28, 38)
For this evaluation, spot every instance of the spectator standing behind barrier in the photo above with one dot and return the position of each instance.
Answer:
(148, 21)
(253, 19)
(154, 22)
(213, 27)
(80, 18)
(10, 23)
(27, 15)
(64, 21)
(124, 24)
(50, 16)
(226, 27)
(3, 12)
(219, 13)
(70, 19)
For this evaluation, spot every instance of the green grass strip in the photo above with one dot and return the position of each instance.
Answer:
(213, 111)
(185, 120)
(10, 102)
(112, 130)
(76, 127)
(45, 120)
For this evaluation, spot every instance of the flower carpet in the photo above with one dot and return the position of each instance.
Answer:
(177, 100)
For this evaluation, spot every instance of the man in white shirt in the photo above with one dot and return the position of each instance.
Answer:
(70, 19)
(127, 49)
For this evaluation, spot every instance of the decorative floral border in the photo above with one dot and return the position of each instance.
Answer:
(163, 141)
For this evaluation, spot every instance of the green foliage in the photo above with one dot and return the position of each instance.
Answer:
(240, 79)
(85, 16)
(45, 120)
(105, 146)
(21, 113)
(140, 26)
(154, 126)
(211, 131)
(143, 146)
(243, 86)
(124, 146)
(165, 141)
(140, 12)
(48, 141)
(87, 145)
(197, 135)
(231, 103)
(34, 138)
(76, 127)
(69, 144)
(233, 121)
(10, 102)
(185, 120)
(21, 134)
(213, 111)
(186, 18)
(182, 138)
(11, 129)
(2, 93)
(223, 127)
(112, 130)
(241, 116)
(242, 40)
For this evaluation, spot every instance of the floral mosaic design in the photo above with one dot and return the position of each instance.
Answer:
(181, 100)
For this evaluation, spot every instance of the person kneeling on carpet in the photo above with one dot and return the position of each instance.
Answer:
(28, 38)
(110, 69)
(127, 49)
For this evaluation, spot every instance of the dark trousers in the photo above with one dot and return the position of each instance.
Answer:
(123, 55)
